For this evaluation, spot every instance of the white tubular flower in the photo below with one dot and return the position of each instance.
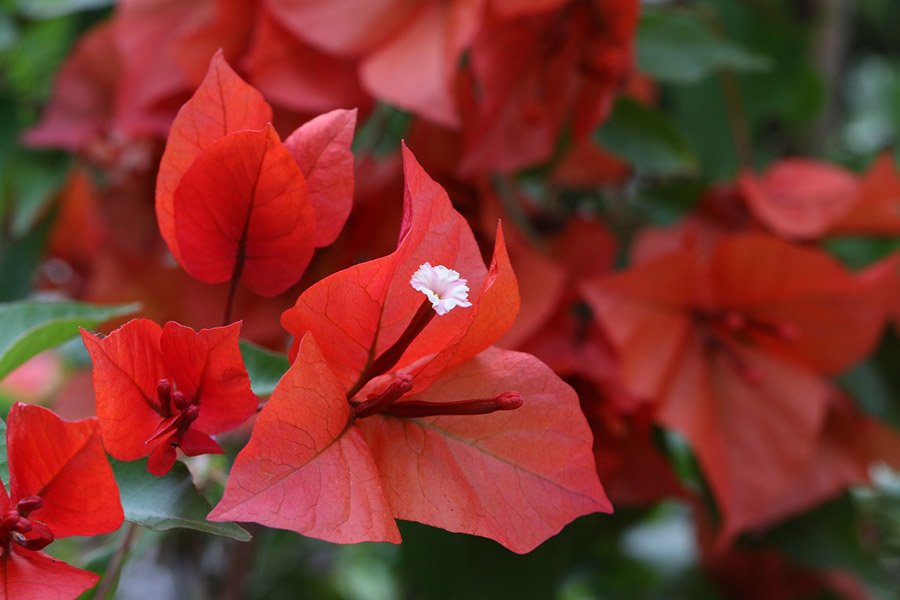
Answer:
(443, 287)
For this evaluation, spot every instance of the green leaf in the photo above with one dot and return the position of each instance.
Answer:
(676, 47)
(38, 177)
(858, 252)
(47, 9)
(168, 502)
(27, 328)
(826, 537)
(19, 260)
(647, 140)
(264, 367)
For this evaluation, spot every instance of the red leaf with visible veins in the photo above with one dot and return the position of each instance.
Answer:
(36, 576)
(333, 455)
(799, 198)
(322, 149)
(377, 300)
(205, 366)
(305, 468)
(64, 463)
(209, 363)
(222, 104)
(516, 477)
(127, 366)
(242, 211)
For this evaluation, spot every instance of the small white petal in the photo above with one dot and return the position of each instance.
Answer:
(443, 287)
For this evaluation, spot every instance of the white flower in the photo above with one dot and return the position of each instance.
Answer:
(443, 287)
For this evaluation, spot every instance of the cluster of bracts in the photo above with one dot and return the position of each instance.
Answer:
(414, 391)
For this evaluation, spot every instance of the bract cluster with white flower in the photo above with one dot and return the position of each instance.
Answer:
(443, 287)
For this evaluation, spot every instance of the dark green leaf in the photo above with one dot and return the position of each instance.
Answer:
(19, 260)
(647, 140)
(38, 177)
(27, 328)
(264, 367)
(168, 502)
(858, 252)
(46, 9)
(676, 47)
(826, 537)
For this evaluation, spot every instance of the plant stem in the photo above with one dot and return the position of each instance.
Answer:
(114, 570)
(240, 564)
(737, 118)
(232, 286)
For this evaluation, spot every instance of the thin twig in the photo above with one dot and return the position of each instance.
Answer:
(737, 118)
(113, 571)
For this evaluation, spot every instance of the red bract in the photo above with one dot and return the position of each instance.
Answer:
(160, 389)
(61, 485)
(234, 203)
(732, 347)
(391, 411)
(242, 211)
(165, 47)
(533, 75)
(409, 50)
(82, 106)
(222, 104)
(295, 75)
(878, 210)
(377, 302)
(130, 74)
(799, 198)
(321, 148)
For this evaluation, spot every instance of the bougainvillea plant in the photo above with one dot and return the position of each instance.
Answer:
(60, 484)
(161, 389)
(393, 271)
(402, 410)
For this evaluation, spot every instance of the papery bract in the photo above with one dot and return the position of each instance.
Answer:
(399, 412)
(532, 75)
(878, 210)
(297, 76)
(242, 212)
(223, 104)
(516, 477)
(165, 47)
(159, 389)
(733, 347)
(409, 51)
(321, 148)
(799, 198)
(62, 485)
(234, 203)
(82, 106)
(377, 300)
